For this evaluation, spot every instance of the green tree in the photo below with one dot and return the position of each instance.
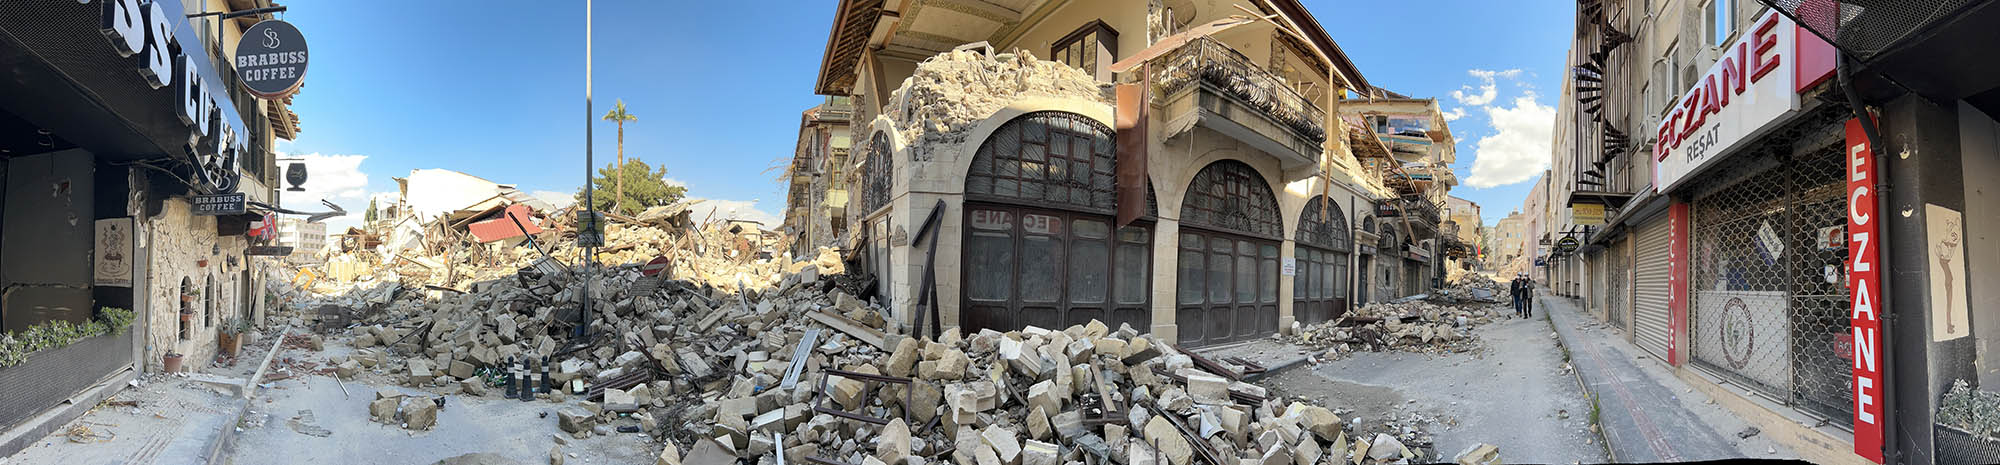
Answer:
(370, 215)
(618, 115)
(649, 188)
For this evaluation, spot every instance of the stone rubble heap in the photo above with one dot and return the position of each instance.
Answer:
(783, 361)
(949, 92)
(1439, 322)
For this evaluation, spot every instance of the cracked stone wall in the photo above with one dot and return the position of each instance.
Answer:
(182, 248)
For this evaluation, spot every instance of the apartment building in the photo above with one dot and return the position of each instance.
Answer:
(1737, 182)
(1181, 167)
(816, 206)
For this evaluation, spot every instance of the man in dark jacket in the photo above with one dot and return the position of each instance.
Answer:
(1527, 296)
(1515, 291)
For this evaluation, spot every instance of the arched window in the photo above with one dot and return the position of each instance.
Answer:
(1039, 245)
(879, 173)
(1228, 262)
(1230, 196)
(1319, 286)
(1049, 158)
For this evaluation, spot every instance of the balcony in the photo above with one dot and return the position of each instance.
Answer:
(1208, 84)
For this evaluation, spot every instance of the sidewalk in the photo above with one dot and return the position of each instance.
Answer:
(1646, 414)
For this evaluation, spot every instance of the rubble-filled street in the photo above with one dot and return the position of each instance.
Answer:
(998, 232)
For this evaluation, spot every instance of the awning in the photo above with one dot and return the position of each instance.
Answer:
(1169, 43)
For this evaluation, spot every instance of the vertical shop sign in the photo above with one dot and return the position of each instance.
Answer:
(1677, 277)
(1864, 284)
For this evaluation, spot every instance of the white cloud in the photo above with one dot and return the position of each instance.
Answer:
(1487, 89)
(334, 178)
(721, 209)
(560, 200)
(1454, 114)
(1519, 149)
(676, 182)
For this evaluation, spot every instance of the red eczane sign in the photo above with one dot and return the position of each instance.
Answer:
(1864, 283)
(1678, 221)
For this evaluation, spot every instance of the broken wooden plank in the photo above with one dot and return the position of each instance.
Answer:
(852, 328)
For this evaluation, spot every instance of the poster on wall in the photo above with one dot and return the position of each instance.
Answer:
(1947, 263)
(1747, 333)
(113, 251)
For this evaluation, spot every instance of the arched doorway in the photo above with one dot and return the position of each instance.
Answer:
(1319, 289)
(1230, 230)
(877, 176)
(1390, 249)
(1040, 246)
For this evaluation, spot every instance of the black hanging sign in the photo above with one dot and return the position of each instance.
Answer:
(271, 58)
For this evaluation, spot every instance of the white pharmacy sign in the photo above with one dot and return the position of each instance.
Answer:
(1745, 94)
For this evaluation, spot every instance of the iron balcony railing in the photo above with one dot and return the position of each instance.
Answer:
(1204, 60)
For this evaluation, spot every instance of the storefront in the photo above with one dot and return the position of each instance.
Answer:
(110, 129)
(1229, 238)
(1319, 282)
(1040, 250)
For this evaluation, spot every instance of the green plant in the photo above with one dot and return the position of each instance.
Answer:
(234, 326)
(119, 319)
(48, 335)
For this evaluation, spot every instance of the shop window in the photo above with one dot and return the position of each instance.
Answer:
(1229, 233)
(1040, 245)
(1090, 48)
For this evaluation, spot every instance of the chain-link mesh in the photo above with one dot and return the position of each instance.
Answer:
(1614, 280)
(1769, 308)
(1864, 28)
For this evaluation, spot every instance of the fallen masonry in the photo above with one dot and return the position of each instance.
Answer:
(1440, 322)
(749, 359)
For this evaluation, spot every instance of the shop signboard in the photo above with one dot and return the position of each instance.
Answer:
(1587, 214)
(157, 37)
(1863, 284)
(1746, 93)
(1568, 244)
(271, 59)
(219, 204)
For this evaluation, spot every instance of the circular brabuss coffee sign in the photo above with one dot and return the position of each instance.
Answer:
(271, 59)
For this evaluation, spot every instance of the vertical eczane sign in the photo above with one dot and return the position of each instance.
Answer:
(1864, 284)
(1678, 222)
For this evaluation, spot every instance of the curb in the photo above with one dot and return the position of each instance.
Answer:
(218, 448)
(1577, 374)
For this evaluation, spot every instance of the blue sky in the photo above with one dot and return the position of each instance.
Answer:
(495, 89)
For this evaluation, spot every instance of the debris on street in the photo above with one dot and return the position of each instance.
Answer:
(732, 353)
(1440, 322)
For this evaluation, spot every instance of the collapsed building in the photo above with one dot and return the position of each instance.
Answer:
(1205, 177)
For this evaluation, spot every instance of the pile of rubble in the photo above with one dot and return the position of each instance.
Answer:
(1413, 326)
(735, 356)
(950, 92)
(1469, 288)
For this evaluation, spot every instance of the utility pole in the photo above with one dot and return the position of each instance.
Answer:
(589, 249)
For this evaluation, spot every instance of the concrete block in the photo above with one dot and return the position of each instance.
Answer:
(1005, 443)
(1172, 444)
(1208, 389)
(894, 442)
(1040, 453)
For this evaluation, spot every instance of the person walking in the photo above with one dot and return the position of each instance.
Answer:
(1527, 297)
(1515, 292)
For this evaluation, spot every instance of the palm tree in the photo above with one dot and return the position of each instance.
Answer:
(618, 115)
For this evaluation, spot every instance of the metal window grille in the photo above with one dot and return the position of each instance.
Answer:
(1769, 304)
(1322, 225)
(881, 172)
(1049, 159)
(1615, 278)
(1230, 196)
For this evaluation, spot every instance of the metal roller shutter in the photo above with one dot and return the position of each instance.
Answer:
(1649, 309)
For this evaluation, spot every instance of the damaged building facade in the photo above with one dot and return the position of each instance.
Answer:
(816, 205)
(106, 163)
(1728, 207)
(1246, 176)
